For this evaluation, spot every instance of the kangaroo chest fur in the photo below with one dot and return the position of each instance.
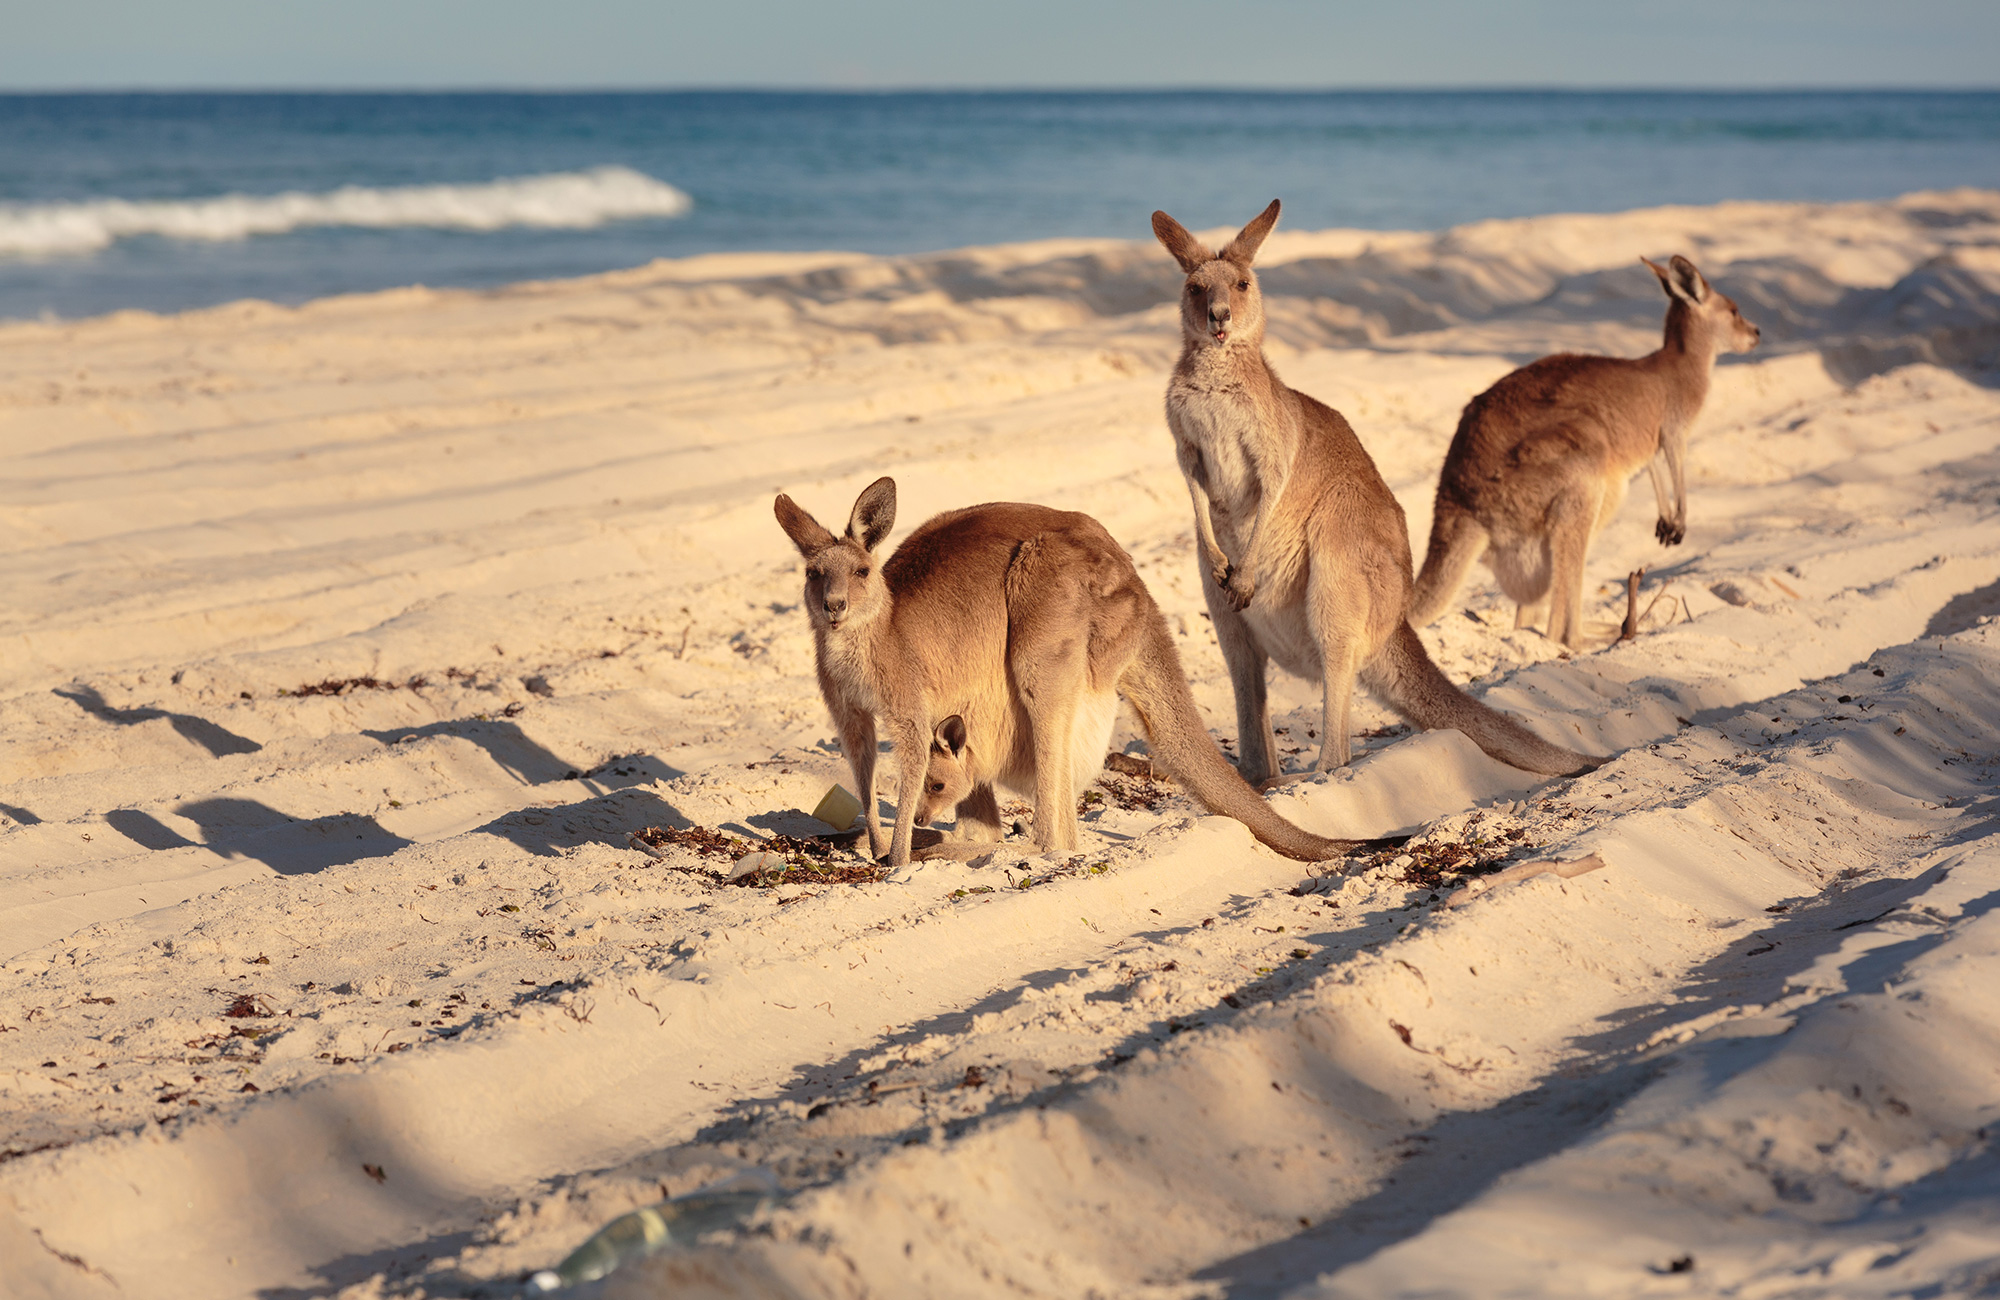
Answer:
(1245, 461)
(847, 669)
(1224, 428)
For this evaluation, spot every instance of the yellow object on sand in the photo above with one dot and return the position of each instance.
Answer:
(838, 809)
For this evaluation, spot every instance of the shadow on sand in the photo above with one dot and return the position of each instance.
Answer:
(245, 828)
(216, 740)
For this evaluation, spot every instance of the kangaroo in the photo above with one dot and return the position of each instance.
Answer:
(1541, 460)
(1305, 552)
(1028, 622)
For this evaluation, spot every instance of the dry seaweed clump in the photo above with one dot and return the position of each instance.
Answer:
(700, 839)
(1133, 784)
(1448, 853)
(799, 861)
(345, 685)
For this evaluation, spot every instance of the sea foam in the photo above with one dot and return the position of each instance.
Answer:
(556, 200)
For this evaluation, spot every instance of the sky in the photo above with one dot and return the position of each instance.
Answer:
(887, 44)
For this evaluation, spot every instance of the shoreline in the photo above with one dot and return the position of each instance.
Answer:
(1286, 246)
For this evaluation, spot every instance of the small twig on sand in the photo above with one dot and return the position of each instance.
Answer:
(1632, 581)
(1524, 871)
(1633, 616)
(682, 648)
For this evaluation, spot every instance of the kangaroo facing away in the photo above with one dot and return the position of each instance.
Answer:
(1026, 625)
(1305, 552)
(1541, 460)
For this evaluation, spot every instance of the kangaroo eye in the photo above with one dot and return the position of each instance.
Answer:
(937, 787)
(1243, 285)
(861, 573)
(814, 575)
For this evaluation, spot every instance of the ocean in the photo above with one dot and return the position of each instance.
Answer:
(171, 201)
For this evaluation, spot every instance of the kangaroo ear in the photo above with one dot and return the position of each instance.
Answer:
(1692, 286)
(950, 735)
(1243, 249)
(1679, 279)
(802, 528)
(874, 513)
(1187, 250)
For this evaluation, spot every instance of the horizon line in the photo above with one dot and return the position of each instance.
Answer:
(1003, 90)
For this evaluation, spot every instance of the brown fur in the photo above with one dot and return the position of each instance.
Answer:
(1007, 616)
(1541, 460)
(1306, 555)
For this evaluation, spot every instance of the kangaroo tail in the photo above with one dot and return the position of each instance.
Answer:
(1157, 687)
(1457, 539)
(1403, 674)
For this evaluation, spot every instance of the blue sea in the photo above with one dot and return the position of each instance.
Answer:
(169, 201)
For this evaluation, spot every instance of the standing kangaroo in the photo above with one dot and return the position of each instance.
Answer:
(1025, 624)
(1306, 555)
(1541, 460)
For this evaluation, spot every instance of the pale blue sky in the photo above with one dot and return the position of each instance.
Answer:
(283, 44)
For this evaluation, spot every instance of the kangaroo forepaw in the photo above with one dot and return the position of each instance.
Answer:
(1237, 588)
(1669, 532)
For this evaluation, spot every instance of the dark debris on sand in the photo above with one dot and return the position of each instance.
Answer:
(806, 861)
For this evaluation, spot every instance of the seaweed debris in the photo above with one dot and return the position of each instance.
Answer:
(806, 861)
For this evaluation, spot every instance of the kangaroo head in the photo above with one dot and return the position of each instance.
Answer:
(844, 585)
(948, 778)
(1707, 320)
(1221, 305)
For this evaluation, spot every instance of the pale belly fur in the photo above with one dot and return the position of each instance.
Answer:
(1089, 737)
(1284, 635)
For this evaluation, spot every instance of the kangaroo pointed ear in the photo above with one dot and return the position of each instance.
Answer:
(1242, 250)
(874, 513)
(1688, 280)
(950, 735)
(1187, 250)
(1679, 279)
(802, 528)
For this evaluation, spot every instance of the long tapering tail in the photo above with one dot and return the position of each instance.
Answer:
(1157, 687)
(1403, 674)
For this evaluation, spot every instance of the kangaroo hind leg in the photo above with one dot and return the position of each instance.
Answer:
(1572, 519)
(1339, 603)
(1049, 629)
(1339, 666)
(1051, 680)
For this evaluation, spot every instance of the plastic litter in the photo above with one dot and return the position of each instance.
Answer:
(674, 1224)
(754, 864)
(838, 808)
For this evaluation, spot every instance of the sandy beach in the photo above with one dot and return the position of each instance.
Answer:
(342, 647)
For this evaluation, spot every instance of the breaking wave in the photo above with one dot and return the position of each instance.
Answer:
(571, 200)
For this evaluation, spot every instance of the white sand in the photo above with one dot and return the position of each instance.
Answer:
(1762, 1039)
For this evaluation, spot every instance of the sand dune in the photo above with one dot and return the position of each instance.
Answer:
(344, 645)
